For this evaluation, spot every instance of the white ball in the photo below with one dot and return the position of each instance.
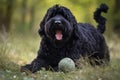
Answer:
(66, 65)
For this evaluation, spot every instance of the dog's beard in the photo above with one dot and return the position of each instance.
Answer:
(58, 37)
(55, 34)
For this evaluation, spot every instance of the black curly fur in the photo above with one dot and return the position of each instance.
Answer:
(100, 19)
(79, 40)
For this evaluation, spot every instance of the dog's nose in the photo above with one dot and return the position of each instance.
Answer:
(57, 22)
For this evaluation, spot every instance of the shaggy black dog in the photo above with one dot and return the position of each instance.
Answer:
(63, 37)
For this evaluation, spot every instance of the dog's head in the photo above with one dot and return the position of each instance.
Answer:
(58, 25)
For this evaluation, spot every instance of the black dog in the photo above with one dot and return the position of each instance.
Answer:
(63, 37)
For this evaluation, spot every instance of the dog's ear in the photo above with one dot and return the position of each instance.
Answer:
(71, 18)
(75, 26)
(75, 32)
(41, 31)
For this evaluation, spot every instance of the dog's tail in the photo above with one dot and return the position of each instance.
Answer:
(100, 19)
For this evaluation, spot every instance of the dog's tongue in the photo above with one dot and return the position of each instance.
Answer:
(58, 35)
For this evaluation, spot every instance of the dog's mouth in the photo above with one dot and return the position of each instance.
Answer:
(58, 35)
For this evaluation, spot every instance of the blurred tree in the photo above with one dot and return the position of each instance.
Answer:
(37, 8)
(24, 12)
(32, 14)
(2, 12)
(116, 16)
(6, 11)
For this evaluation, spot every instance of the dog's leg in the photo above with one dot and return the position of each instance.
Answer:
(36, 65)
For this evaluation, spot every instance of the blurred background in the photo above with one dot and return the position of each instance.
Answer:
(20, 19)
(25, 15)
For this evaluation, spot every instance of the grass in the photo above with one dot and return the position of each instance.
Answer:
(20, 49)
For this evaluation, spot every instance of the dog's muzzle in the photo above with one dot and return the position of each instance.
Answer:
(58, 30)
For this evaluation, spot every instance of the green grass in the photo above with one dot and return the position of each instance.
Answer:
(17, 50)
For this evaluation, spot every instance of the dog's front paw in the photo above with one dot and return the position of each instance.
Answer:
(26, 69)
